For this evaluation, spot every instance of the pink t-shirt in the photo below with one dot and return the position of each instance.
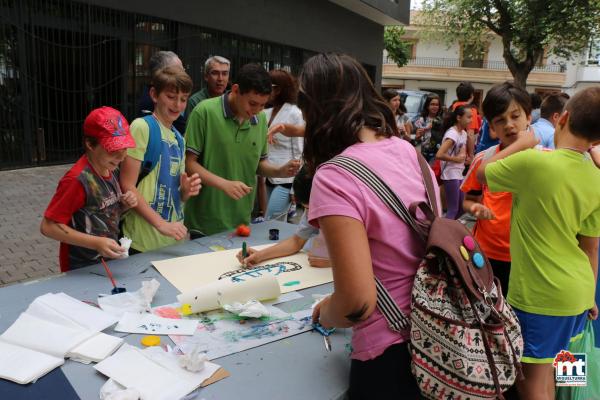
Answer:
(396, 251)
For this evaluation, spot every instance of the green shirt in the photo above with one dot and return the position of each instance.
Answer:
(195, 99)
(556, 196)
(145, 236)
(230, 150)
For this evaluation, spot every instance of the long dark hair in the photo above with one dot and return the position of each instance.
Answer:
(452, 116)
(428, 100)
(389, 94)
(338, 99)
(288, 87)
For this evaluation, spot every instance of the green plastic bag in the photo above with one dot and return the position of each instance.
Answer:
(592, 390)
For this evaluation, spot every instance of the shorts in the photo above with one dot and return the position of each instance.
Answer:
(544, 336)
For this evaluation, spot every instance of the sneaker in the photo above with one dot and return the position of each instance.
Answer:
(258, 220)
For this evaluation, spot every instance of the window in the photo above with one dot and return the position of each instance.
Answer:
(545, 92)
(477, 98)
(543, 60)
(412, 48)
(399, 87)
(473, 56)
(594, 52)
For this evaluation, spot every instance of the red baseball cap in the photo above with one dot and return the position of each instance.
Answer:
(110, 127)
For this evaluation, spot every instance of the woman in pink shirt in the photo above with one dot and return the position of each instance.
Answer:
(345, 115)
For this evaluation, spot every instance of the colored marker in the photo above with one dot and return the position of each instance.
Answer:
(244, 250)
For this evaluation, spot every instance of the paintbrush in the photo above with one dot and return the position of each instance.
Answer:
(115, 289)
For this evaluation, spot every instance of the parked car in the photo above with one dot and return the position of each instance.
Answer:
(414, 101)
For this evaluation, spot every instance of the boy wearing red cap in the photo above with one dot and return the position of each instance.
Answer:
(85, 211)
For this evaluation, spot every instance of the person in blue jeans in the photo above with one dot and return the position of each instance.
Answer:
(282, 148)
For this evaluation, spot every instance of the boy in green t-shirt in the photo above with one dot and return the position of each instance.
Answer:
(158, 218)
(226, 144)
(555, 226)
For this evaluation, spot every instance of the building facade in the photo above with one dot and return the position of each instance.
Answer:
(59, 59)
(438, 68)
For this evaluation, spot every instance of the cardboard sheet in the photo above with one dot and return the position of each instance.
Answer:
(292, 272)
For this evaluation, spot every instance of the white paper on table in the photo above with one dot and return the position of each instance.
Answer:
(220, 336)
(95, 349)
(284, 298)
(152, 324)
(250, 309)
(22, 365)
(43, 311)
(293, 272)
(170, 361)
(111, 390)
(85, 315)
(136, 302)
(45, 336)
(119, 304)
(154, 376)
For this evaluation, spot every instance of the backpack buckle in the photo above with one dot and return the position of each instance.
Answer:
(489, 301)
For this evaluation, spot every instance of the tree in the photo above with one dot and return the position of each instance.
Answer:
(527, 27)
(397, 49)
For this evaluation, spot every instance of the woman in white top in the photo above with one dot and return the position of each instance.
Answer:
(283, 148)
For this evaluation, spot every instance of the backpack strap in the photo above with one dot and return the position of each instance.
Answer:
(396, 319)
(154, 147)
(429, 187)
(179, 138)
(380, 188)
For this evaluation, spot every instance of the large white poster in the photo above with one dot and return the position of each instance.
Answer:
(292, 272)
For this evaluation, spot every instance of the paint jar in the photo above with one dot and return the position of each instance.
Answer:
(117, 290)
(273, 234)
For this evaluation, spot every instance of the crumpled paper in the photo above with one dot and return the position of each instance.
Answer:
(136, 302)
(111, 390)
(126, 244)
(250, 309)
(194, 360)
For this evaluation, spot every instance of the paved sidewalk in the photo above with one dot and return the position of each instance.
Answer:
(24, 252)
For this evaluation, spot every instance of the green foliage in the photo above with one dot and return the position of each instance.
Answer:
(527, 27)
(397, 49)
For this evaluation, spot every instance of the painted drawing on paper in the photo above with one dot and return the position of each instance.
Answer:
(220, 333)
(190, 272)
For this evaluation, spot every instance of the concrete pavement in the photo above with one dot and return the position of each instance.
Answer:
(24, 252)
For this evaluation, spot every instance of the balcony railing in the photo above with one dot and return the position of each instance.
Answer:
(457, 63)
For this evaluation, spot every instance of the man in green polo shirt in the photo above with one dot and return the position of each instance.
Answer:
(216, 75)
(227, 146)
